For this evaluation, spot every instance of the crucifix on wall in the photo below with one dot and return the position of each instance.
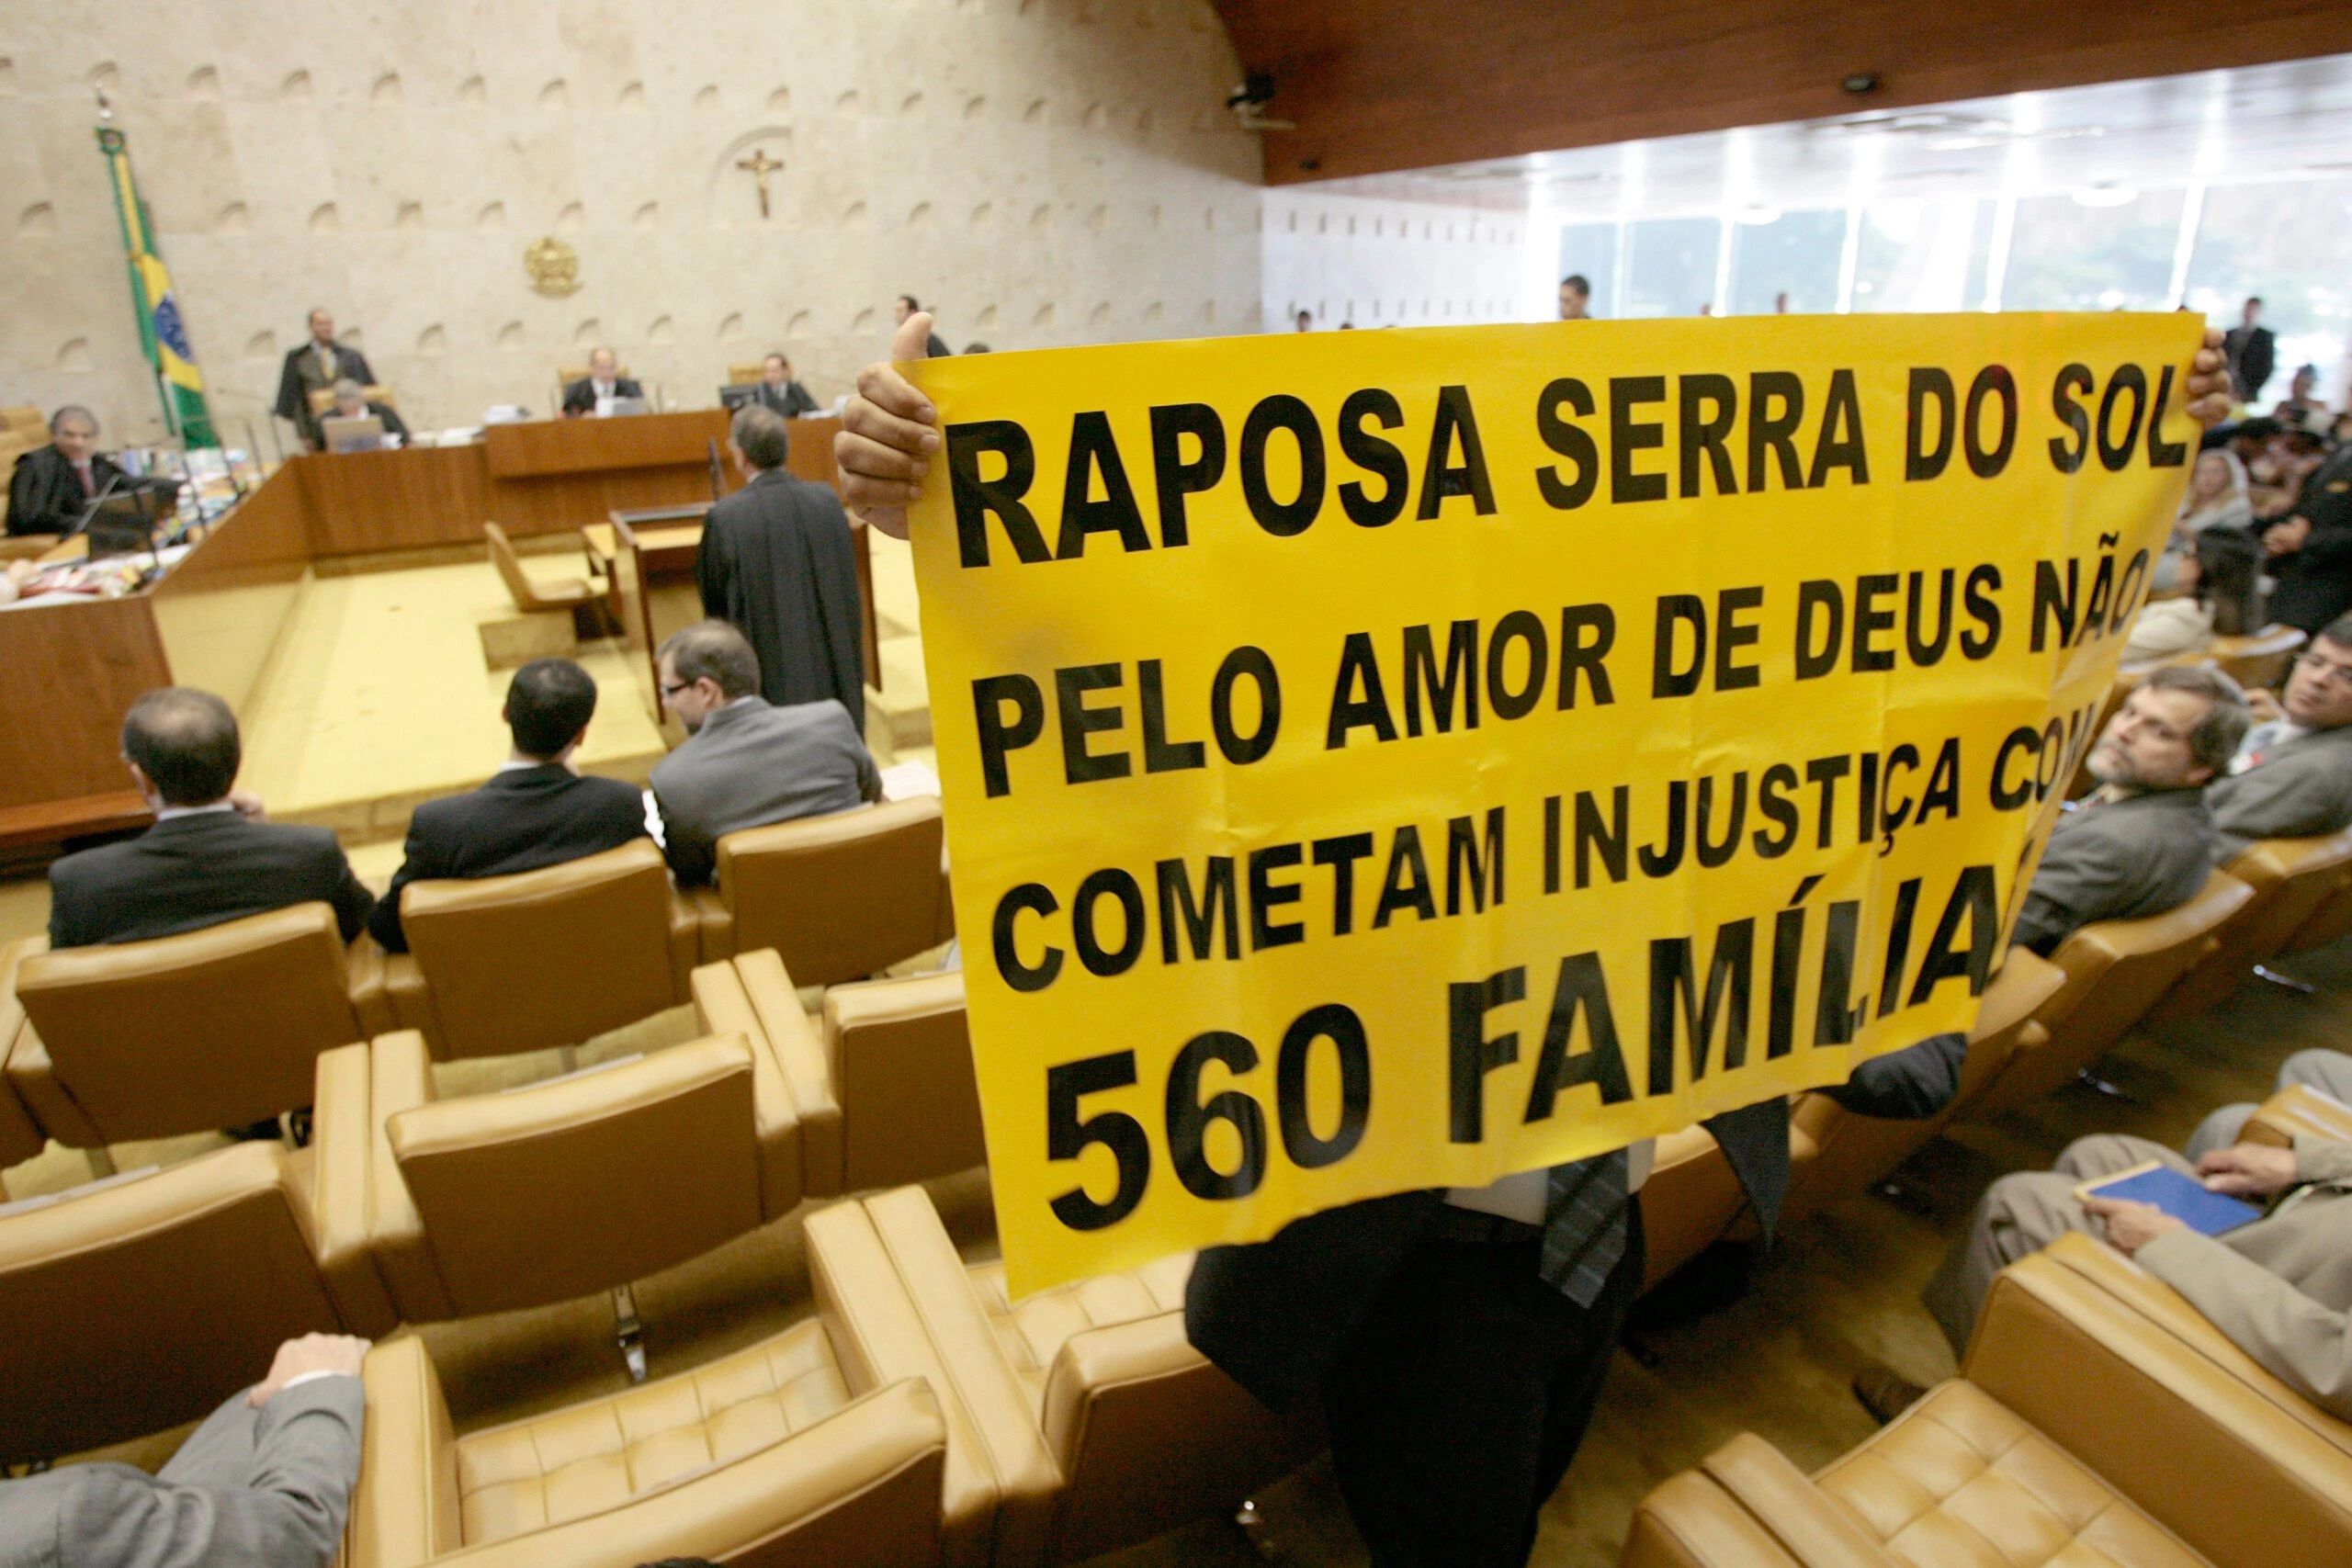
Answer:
(760, 166)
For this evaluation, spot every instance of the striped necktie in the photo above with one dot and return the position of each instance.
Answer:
(1584, 1225)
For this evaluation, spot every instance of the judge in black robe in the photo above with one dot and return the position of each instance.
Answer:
(54, 485)
(776, 564)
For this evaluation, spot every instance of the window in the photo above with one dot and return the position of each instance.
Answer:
(1592, 249)
(1795, 255)
(1670, 265)
(1923, 255)
(2067, 257)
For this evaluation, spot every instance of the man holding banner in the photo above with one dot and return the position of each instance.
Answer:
(1264, 967)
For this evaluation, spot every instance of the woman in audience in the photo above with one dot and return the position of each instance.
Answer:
(2303, 395)
(2216, 497)
(2221, 573)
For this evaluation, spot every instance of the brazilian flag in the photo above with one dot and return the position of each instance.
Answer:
(161, 331)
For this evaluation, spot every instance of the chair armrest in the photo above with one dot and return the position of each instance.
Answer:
(32, 1079)
(1690, 1522)
(1822, 1531)
(364, 968)
(717, 923)
(2027, 981)
(404, 1510)
(2296, 1112)
(20, 1134)
(686, 943)
(2226, 1469)
(400, 1077)
(721, 1008)
(801, 1058)
(411, 998)
(1151, 1436)
(341, 1151)
(878, 1335)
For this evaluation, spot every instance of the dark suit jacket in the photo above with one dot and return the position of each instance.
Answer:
(45, 495)
(2294, 789)
(1273, 1315)
(791, 401)
(581, 396)
(194, 872)
(2124, 861)
(2251, 354)
(302, 374)
(522, 820)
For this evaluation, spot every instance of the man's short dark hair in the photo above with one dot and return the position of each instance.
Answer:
(2254, 298)
(716, 649)
(2215, 739)
(2337, 631)
(1578, 282)
(760, 436)
(71, 411)
(779, 359)
(548, 702)
(186, 742)
(911, 302)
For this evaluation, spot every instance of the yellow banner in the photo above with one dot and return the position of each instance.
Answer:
(1401, 759)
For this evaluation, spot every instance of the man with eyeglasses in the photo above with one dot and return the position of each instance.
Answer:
(2292, 775)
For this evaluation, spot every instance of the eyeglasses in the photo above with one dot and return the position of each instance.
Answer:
(2326, 667)
(670, 690)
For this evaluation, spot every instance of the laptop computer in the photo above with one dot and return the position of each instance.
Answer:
(607, 408)
(365, 434)
(128, 520)
(732, 398)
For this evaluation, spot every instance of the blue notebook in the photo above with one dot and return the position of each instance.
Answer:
(2182, 1197)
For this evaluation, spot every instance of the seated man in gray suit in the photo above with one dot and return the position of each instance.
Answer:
(265, 1482)
(2292, 775)
(2142, 842)
(745, 764)
(2279, 1288)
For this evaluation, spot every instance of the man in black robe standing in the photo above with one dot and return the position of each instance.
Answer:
(776, 564)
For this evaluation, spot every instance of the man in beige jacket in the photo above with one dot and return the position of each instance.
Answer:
(2279, 1288)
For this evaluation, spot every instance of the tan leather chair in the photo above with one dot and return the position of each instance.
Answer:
(1691, 1199)
(556, 1190)
(841, 897)
(1083, 1420)
(2083, 1429)
(541, 958)
(216, 1028)
(531, 596)
(142, 1301)
(2328, 923)
(2294, 1112)
(746, 375)
(883, 1082)
(2261, 659)
(21, 1134)
(2290, 879)
(1833, 1153)
(764, 1458)
(2116, 970)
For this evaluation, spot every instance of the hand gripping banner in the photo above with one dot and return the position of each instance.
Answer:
(1398, 759)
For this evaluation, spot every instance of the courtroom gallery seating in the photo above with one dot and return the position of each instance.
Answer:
(543, 958)
(2115, 971)
(840, 896)
(216, 1028)
(774, 1456)
(2295, 1112)
(2097, 1418)
(142, 1301)
(576, 596)
(2291, 878)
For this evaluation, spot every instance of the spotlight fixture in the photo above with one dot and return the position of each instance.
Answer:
(1248, 103)
(1860, 84)
(2106, 193)
(1756, 216)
